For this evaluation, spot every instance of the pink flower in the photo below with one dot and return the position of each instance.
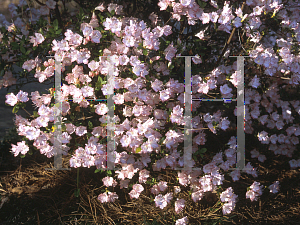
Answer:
(197, 59)
(255, 191)
(177, 189)
(112, 196)
(109, 181)
(293, 164)
(167, 30)
(186, 3)
(179, 205)
(162, 186)
(197, 196)
(170, 52)
(182, 221)
(143, 175)
(254, 153)
(38, 39)
(21, 147)
(255, 82)
(183, 178)
(228, 207)
(31, 133)
(163, 4)
(252, 195)
(205, 17)
(136, 191)
(274, 188)
(160, 201)
(103, 197)
(155, 190)
(81, 130)
(95, 36)
(225, 89)
(22, 96)
(51, 4)
(100, 7)
(157, 85)
(29, 65)
(165, 94)
(101, 109)
(261, 158)
(153, 17)
(44, 10)
(8, 79)
(11, 99)
(228, 196)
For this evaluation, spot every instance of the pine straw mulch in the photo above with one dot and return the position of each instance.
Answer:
(32, 195)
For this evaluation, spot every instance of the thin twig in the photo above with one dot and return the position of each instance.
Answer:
(27, 112)
(40, 3)
(229, 40)
(241, 42)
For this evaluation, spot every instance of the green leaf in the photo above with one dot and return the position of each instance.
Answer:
(22, 105)
(112, 13)
(27, 53)
(22, 156)
(201, 4)
(55, 24)
(202, 150)
(58, 31)
(15, 109)
(90, 125)
(98, 170)
(51, 30)
(14, 45)
(108, 172)
(145, 52)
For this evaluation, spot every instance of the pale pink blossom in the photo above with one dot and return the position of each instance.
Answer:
(29, 65)
(228, 207)
(101, 109)
(179, 205)
(44, 10)
(170, 52)
(81, 130)
(109, 181)
(197, 59)
(22, 96)
(103, 197)
(100, 7)
(182, 221)
(21, 147)
(205, 17)
(274, 188)
(143, 175)
(95, 36)
(11, 99)
(160, 201)
(162, 186)
(136, 191)
(51, 4)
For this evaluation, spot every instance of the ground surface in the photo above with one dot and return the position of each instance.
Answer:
(32, 195)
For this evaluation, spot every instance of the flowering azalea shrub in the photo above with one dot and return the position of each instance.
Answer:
(150, 92)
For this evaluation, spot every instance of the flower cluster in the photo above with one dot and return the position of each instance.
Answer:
(230, 198)
(255, 191)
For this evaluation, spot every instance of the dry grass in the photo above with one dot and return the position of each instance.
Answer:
(37, 196)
